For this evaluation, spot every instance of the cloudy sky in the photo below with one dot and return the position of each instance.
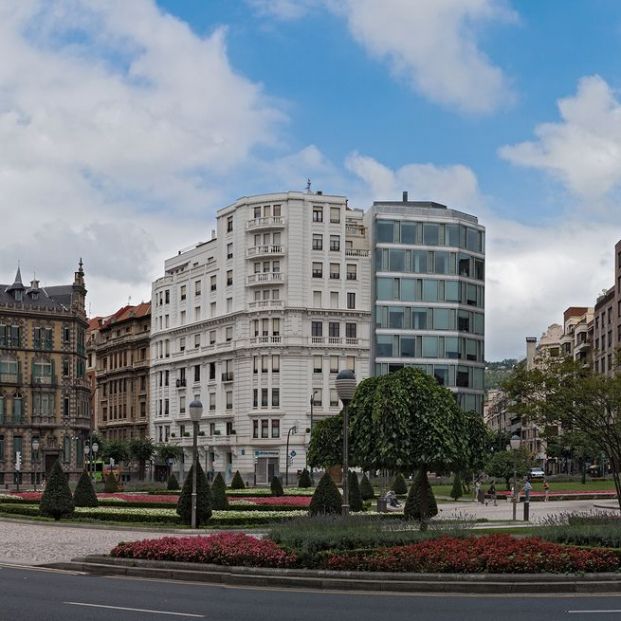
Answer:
(124, 126)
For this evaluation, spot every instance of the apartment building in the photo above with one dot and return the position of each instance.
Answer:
(577, 338)
(429, 294)
(44, 394)
(118, 348)
(255, 323)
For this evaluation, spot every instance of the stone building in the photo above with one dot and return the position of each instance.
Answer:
(44, 394)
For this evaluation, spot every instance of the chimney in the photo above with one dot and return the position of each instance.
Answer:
(531, 347)
(405, 196)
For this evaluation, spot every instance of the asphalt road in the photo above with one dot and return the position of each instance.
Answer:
(45, 595)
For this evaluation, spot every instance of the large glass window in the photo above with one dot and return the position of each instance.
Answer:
(431, 234)
(430, 290)
(395, 317)
(384, 288)
(408, 232)
(397, 260)
(419, 261)
(441, 373)
(443, 319)
(384, 346)
(441, 263)
(451, 291)
(408, 346)
(452, 235)
(430, 346)
(419, 319)
(464, 265)
(384, 230)
(451, 347)
(408, 290)
(474, 240)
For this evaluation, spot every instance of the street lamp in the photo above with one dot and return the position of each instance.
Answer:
(514, 443)
(87, 458)
(94, 449)
(35, 460)
(196, 411)
(345, 388)
(294, 430)
(312, 399)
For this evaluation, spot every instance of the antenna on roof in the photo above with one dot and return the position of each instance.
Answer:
(308, 185)
(129, 300)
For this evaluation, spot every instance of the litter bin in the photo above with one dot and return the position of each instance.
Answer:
(381, 505)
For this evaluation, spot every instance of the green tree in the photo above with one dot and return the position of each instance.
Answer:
(399, 485)
(421, 503)
(117, 450)
(218, 494)
(501, 465)
(84, 494)
(366, 489)
(57, 501)
(141, 449)
(355, 498)
(327, 498)
(276, 487)
(167, 452)
(326, 445)
(237, 482)
(111, 484)
(305, 479)
(203, 498)
(172, 484)
(457, 490)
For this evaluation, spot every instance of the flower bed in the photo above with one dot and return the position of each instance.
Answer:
(281, 501)
(221, 549)
(489, 554)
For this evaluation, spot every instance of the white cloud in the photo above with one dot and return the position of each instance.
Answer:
(534, 272)
(583, 150)
(285, 10)
(118, 125)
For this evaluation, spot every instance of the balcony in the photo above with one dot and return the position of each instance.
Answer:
(10, 378)
(264, 251)
(265, 304)
(43, 381)
(356, 252)
(334, 340)
(266, 278)
(45, 421)
(266, 340)
(227, 376)
(355, 230)
(260, 224)
(180, 383)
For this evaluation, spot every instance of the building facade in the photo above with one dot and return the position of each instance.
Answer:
(44, 394)
(120, 352)
(429, 292)
(255, 323)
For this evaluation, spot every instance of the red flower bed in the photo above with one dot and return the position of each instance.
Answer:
(221, 549)
(289, 501)
(495, 554)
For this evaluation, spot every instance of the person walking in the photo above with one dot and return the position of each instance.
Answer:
(492, 493)
(477, 490)
(546, 491)
(527, 490)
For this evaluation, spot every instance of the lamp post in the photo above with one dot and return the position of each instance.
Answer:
(294, 430)
(345, 388)
(88, 459)
(196, 411)
(35, 461)
(94, 449)
(515, 445)
(312, 399)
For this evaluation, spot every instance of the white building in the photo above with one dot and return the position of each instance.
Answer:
(256, 321)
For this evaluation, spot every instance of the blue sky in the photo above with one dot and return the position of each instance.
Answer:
(125, 126)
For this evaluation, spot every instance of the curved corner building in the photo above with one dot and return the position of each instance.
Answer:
(428, 279)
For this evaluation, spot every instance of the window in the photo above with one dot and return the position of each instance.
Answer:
(212, 281)
(264, 364)
(351, 300)
(350, 330)
(317, 328)
(229, 278)
(334, 364)
(352, 273)
(385, 231)
(350, 363)
(255, 398)
(197, 287)
(229, 224)
(182, 317)
(167, 296)
(229, 334)
(431, 234)
(229, 399)
(212, 401)
(317, 364)
(255, 428)
(277, 211)
(197, 341)
(335, 215)
(275, 397)
(317, 241)
(275, 428)
(335, 243)
(42, 372)
(66, 335)
(265, 427)
(212, 309)
(317, 299)
(334, 398)
(317, 397)
(264, 399)
(182, 343)
(334, 299)
(212, 337)
(197, 372)
(229, 429)
(257, 212)
(229, 251)
(181, 405)
(334, 329)
(317, 270)
(182, 292)
(317, 214)
(335, 271)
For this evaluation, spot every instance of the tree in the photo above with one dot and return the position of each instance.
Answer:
(237, 482)
(399, 485)
(117, 450)
(366, 489)
(566, 393)
(327, 498)
(457, 490)
(141, 449)
(172, 483)
(111, 484)
(421, 503)
(502, 464)
(203, 498)
(276, 487)
(168, 452)
(84, 494)
(218, 494)
(57, 501)
(326, 444)
(355, 498)
(305, 479)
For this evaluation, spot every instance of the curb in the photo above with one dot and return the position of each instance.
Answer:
(346, 581)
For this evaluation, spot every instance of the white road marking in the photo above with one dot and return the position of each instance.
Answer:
(593, 612)
(153, 612)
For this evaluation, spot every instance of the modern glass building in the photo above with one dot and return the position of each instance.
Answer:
(429, 294)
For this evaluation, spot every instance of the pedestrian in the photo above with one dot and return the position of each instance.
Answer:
(527, 489)
(546, 490)
(477, 490)
(492, 493)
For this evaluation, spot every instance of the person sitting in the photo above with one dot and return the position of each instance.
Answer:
(392, 502)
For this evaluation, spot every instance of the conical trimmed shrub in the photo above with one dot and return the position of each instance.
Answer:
(111, 485)
(237, 482)
(276, 487)
(172, 484)
(218, 494)
(457, 491)
(355, 499)
(57, 500)
(305, 479)
(399, 485)
(421, 503)
(366, 489)
(327, 498)
(203, 498)
(84, 494)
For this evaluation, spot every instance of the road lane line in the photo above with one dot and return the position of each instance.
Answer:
(153, 612)
(593, 612)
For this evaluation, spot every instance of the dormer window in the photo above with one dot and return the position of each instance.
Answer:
(35, 296)
(18, 296)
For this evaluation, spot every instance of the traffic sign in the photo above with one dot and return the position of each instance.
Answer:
(293, 453)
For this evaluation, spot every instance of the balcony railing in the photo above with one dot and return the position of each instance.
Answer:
(265, 223)
(266, 278)
(266, 340)
(262, 251)
(10, 378)
(356, 252)
(227, 376)
(180, 383)
(265, 304)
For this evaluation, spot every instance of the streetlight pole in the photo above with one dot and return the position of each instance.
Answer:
(294, 429)
(35, 461)
(196, 410)
(94, 449)
(515, 445)
(345, 388)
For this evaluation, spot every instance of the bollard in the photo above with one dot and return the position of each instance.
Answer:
(526, 510)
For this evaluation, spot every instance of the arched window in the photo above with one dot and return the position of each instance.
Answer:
(8, 370)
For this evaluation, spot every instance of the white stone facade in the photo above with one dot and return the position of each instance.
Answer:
(254, 322)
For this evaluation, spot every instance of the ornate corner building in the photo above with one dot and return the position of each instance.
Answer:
(44, 394)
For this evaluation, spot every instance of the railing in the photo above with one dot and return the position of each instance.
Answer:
(228, 376)
(266, 277)
(10, 378)
(266, 340)
(44, 381)
(356, 252)
(259, 251)
(264, 303)
(10, 342)
(334, 340)
(262, 223)
(317, 340)
(180, 383)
